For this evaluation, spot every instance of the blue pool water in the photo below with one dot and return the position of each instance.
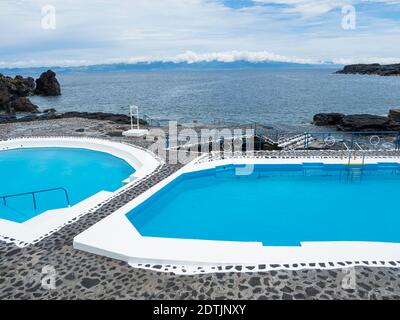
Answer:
(81, 172)
(277, 205)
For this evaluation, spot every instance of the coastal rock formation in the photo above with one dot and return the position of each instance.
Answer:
(13, 99)
(372, 69)
(53, 114)
(4, 97)
(327, 119)
(394, 115)
(116, 118)
(19, 86)
(22, 105)
(13, 92)
(47, 84)
(364, 122)
(360, 122)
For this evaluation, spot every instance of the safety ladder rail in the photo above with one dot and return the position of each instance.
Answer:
(351, 173)
(33, 193)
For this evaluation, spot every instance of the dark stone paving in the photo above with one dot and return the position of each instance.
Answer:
(27, 273)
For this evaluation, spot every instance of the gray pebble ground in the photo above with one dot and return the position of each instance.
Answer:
(80, 275)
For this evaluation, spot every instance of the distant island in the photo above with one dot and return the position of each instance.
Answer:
(161, 65)
(372, 69)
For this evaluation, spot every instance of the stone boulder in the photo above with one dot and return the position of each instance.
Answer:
(327, 119)
(394, 115)
(20, 86)
(364, 122)
(13, 92)
(47, 84)
(5, 96)
(22, 105)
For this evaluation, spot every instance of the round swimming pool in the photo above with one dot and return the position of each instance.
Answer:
(71, 174)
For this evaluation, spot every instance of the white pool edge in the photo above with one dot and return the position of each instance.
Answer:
(45, 224)
(125, 243)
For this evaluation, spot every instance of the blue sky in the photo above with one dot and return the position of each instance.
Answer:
(107, 31)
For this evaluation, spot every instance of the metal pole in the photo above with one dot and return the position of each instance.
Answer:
(137, 117)
(167, 140)
(352, 140)
(131, 112)
(307, 137)
(66, 195)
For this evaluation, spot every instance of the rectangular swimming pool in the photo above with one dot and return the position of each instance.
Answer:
(278, 205)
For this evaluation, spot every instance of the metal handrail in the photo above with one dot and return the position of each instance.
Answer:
(150, 121)
(33, 195)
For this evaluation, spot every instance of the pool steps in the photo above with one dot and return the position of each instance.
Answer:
(33, 230)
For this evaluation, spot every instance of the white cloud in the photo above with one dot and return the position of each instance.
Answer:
(232, 56)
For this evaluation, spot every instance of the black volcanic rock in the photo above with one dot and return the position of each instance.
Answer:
(360, 122)
(47, 84)
(116, 118)
(5, 97)
(52, 114)
(22, 105)
(372, 69)
(7, 118)
(364, 122)
(21, 87)
(327, 119)
(13, 92)
(394, 115)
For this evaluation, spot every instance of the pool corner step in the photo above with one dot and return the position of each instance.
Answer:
(72, 211)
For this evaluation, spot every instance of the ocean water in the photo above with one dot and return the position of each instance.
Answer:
(277, 205)
(81, 172)
(279, 98)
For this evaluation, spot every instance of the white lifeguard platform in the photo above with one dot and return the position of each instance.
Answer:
(135, 132)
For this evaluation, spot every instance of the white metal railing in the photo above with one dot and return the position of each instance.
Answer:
(297, 154)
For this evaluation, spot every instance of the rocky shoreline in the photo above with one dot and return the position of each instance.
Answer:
(52, 114)
(359, 122)
(372, 69)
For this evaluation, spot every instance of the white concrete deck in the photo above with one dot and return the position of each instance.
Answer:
(117, 238)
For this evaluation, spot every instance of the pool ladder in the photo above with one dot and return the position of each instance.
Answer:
(33, 193)
(355, 170)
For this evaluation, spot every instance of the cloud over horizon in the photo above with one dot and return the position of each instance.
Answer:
(105, 31)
